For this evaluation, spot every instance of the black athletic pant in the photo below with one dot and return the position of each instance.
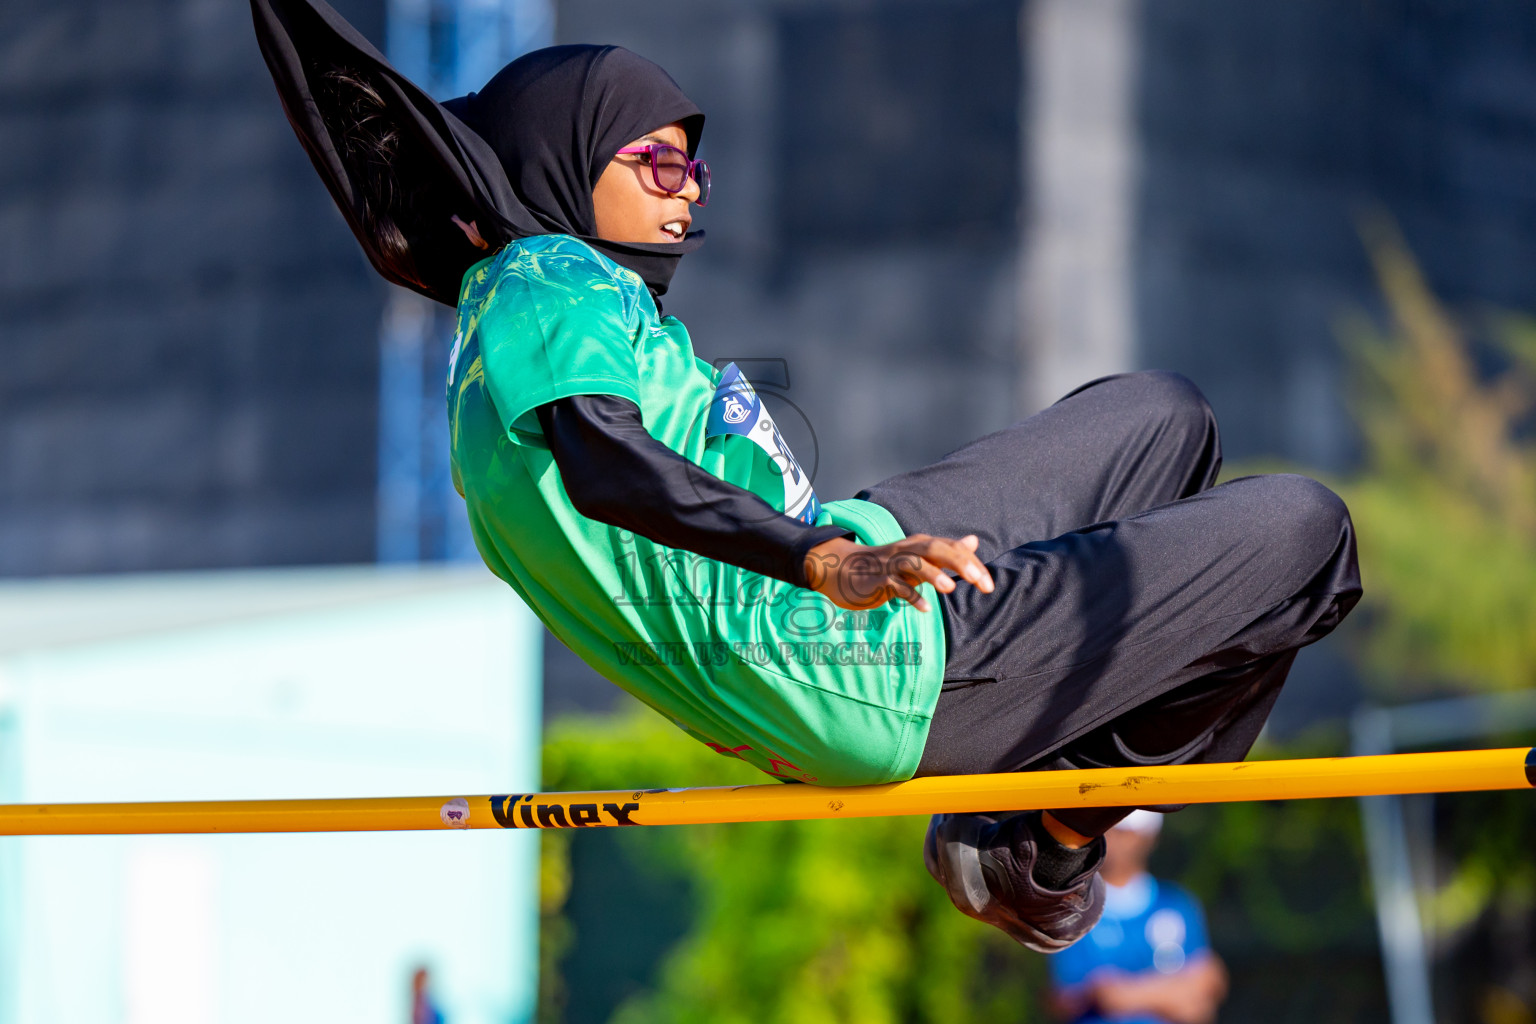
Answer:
(1141, 616)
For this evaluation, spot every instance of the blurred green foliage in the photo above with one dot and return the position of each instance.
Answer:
(1445, 506)
(1446, 500)
(831, 921)
(796, 922)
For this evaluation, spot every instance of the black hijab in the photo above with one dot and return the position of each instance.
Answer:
(518, 158)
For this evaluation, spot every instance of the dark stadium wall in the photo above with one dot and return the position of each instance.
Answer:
(188, 333)
(1267, 132)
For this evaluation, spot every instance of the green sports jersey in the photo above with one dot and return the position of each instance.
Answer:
(772, 673)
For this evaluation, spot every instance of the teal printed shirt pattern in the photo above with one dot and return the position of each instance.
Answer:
(755, 667)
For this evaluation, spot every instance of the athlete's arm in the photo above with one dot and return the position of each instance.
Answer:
(854, 575)
(615, 472)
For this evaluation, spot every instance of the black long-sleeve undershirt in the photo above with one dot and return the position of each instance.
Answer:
(615, 472)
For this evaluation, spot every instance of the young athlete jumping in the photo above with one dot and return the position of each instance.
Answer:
(1069, 592)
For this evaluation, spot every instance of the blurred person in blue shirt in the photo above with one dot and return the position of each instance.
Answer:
(423, 1007)
(1148, 960)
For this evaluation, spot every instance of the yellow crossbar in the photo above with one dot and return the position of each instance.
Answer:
(1455, 771)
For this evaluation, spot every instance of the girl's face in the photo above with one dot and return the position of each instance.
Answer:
(626, 203)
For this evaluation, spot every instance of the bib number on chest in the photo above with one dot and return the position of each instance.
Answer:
(737, 409)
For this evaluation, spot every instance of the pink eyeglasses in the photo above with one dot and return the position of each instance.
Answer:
(671, 169)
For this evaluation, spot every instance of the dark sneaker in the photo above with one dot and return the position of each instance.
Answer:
(983, 861)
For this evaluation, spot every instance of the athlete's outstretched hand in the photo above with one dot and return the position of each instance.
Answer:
(856, 576)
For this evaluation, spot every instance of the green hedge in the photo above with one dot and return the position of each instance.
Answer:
(833, 921)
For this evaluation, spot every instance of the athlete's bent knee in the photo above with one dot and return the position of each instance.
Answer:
(1172, 398)
(1306, 513)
